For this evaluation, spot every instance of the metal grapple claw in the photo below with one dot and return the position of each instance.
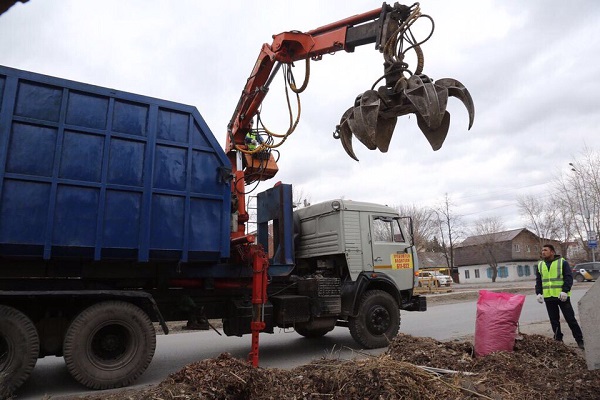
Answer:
(373, 118)
(430, 100)
(435, 136)
(385, 130)
(363, 120)
(458, 90)
(344, 133)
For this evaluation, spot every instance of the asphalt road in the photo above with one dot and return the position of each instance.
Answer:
(442, 321)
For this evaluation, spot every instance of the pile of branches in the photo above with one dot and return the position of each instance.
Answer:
(539, 367)
(412, 368)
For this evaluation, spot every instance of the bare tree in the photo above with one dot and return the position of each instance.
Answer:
(449, 226)
(486, 229)
(579, 199)
(300, 198)
(423, 224)
(544, 217)
(572, 212)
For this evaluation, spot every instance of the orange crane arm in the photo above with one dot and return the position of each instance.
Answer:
(288, 47)
(370, 27)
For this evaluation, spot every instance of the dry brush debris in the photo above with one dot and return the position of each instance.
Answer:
(412, 368)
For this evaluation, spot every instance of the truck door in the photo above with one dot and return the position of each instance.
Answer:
(389, 248)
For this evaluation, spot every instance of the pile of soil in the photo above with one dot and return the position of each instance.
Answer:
(412, 368)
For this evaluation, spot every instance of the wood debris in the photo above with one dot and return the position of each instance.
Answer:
(412, 368)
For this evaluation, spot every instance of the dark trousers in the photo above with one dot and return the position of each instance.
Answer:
(553, 305)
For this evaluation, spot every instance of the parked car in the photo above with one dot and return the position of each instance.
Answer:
(433, 278)
(589, 271)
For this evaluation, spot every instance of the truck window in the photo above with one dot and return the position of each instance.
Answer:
(387, 229)
(398, 235)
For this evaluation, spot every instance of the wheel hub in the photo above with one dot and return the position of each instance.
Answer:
(110, 342)
(379, 320)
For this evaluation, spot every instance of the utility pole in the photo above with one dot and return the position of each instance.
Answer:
(592, 240)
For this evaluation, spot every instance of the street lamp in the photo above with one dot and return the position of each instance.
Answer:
(585, 211)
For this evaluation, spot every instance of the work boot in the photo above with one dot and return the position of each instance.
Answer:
(580, 345)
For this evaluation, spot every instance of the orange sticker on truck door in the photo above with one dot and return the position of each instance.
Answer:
(402, 261)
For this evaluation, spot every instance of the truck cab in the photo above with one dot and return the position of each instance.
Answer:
(353, 266)
(370, 238)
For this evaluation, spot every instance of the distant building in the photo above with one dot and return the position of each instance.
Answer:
(516, 252)
(432, 260)
(437, 260)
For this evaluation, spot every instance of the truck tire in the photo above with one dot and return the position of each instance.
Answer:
(19, 349)
(315, 328)
(378, 320)
(109, 345)
(579, 278)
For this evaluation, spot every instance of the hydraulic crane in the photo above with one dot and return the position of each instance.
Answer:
(371, 119)
(373, 116)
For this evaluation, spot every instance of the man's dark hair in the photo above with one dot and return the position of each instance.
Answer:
(550, 247)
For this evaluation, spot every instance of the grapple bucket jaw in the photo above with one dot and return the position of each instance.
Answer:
(367, 123)
(373, 117)
(363, 119)
(458, 90)
(344, 133)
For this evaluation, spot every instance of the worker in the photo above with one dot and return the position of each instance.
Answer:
(253, 138)
(553, 281)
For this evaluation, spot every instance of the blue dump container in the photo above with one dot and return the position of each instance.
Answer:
(97, 174)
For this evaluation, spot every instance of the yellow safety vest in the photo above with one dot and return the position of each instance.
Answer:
(250, 136)
(552, 278)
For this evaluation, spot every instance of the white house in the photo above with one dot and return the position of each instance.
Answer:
(515, 252)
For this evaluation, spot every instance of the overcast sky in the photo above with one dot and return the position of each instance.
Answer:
(532, 68)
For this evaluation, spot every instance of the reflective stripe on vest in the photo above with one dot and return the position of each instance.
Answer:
(552, 278)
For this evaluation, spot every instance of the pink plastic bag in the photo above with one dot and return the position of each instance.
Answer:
(496, 323)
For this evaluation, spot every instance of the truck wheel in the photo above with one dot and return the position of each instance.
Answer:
(19, 349)
(378, 320)
(316, 328)
(579, 278)
(109, 345)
